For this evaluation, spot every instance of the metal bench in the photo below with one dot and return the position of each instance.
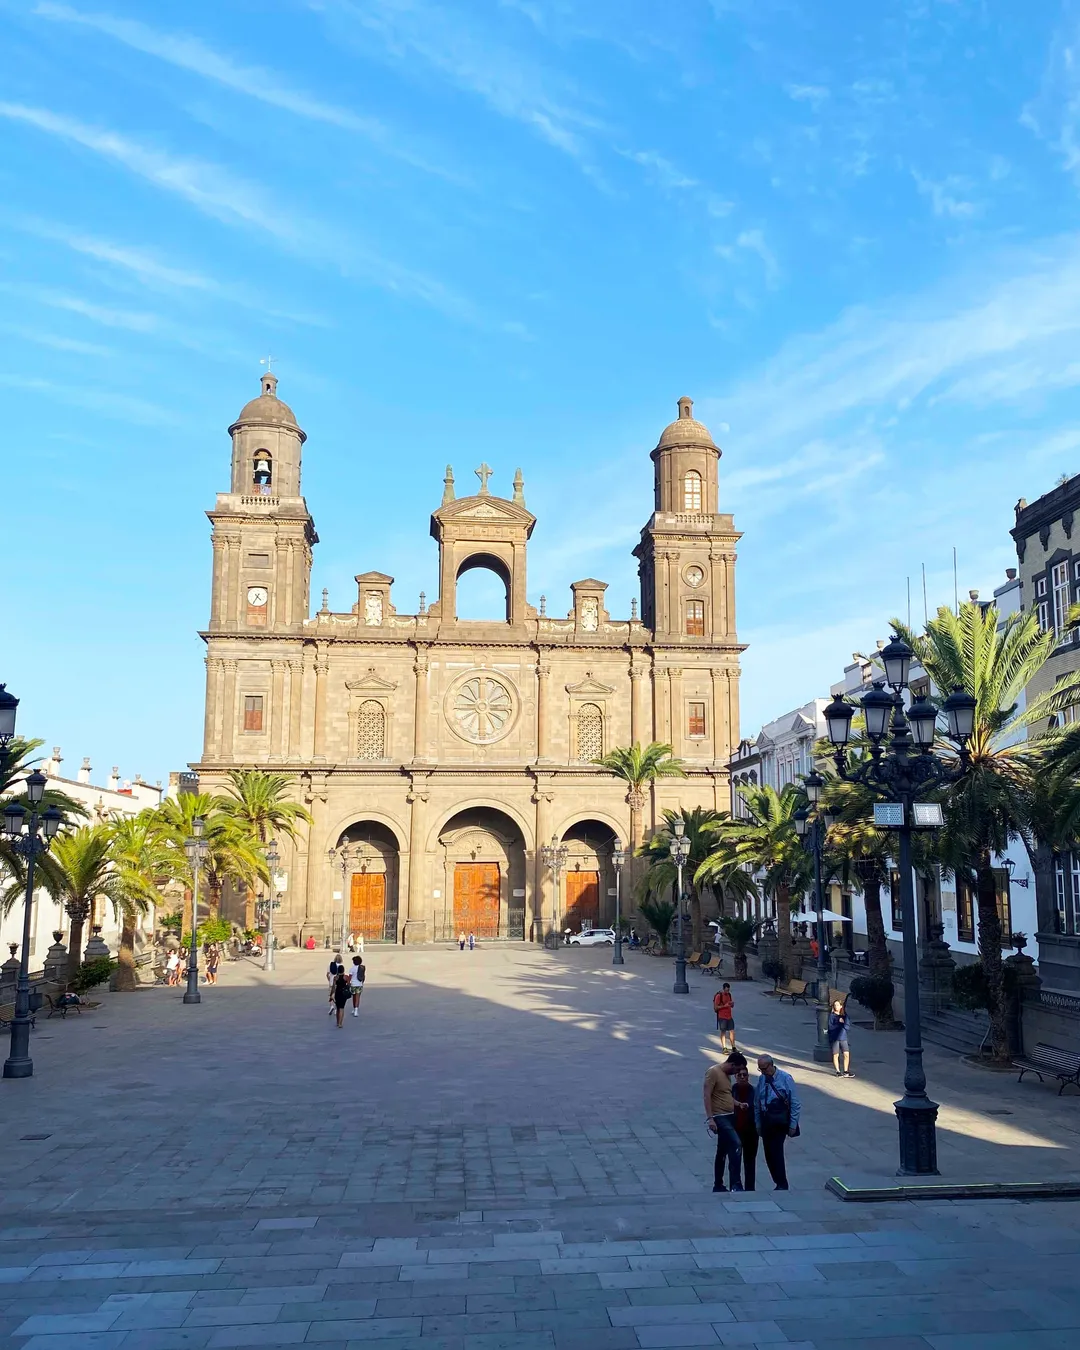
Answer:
(794, 989)
(1053, 1062)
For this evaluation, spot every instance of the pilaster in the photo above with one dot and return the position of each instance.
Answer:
(228, 710)
(416, 922)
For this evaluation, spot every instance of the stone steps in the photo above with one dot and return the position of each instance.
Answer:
(956, 1029)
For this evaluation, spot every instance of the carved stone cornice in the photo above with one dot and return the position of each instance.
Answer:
(371, 683)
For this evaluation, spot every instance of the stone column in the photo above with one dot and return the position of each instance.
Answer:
(543, 712)
(416, 923)
(322, 671)
(283, 583)
(228, 710)
(296, 700)
(936, 966)
(721, 731)
(636, 712)
(674, 605)
(233, 613)
(661, 704)
(277, 709)
(217, 585)
(215, 674)
(733, 705)
(421, 669)
(543, 883)
(718, 572)
(675, 686)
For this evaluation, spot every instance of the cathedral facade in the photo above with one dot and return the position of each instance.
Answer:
(437, 754)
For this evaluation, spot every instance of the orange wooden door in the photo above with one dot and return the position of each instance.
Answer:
(582, 900)
(367, 905)
(476, 899)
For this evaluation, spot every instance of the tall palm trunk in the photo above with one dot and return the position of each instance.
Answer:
(990, 953)
(877, 947)
(783, 931)
(124, 979)
(78, 915)
(695, 919)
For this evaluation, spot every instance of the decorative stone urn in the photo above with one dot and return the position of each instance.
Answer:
(96, 948)
(56, 960)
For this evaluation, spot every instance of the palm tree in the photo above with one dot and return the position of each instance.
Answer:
(16, 761)
(232, 848)
(141, 860)
(740, 933)
(637, 768)
(767, 840)
(80, 871)
(660, 914)
(662, 873)
(260, 801)
(992, 802)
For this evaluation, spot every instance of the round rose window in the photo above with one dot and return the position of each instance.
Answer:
(482, 709)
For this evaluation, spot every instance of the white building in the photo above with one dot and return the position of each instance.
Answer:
(109, 802)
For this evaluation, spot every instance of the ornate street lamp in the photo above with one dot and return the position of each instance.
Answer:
(29, 835)
(343, 856)
(811, 826)
(554, 855)
(618, 858)
(900, 767)
(680, 851)
(272, 860)
(9, 706)
(196, 849)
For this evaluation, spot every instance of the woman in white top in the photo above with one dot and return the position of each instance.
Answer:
(356, 983)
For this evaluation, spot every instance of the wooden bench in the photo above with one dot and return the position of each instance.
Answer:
(694, 958)
(711, 966)
(794, 989)
(7, 1015)
(1053, 1062)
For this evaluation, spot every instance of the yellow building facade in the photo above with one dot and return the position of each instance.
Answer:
(437, 754)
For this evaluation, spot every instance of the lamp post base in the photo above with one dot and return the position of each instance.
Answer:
(18, 1068)
(680, 987)
(822, 1048)
(18, 1063)
(617, 958)
(917, 1120)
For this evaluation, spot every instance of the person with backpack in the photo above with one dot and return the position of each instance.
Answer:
(776, 1115)
(333, 970)
(724, 1007)
(356, 983)
(340, 994)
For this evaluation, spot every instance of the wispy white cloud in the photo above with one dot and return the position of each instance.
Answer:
(133, 321)
(663, 172)
(149, 268)
(1054, 113)
(948, 196)
(417, 35)
(56, 341)
(753, 242)
(227, 197)
(122, 407)
(258, 82)
(814, 94)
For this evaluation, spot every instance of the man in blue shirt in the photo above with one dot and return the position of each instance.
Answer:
(776, 1114)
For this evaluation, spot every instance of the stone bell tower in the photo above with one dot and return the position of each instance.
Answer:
(263, 532)
(687, 551)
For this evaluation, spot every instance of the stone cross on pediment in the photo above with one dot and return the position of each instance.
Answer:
(484, 472)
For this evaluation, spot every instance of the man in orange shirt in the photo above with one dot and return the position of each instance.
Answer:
(720, 1119)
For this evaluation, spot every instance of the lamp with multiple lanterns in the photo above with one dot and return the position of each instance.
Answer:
(554, 855)
(618, 859)
(272, 860)
(680, 851)
(902, 766)
(195, 848)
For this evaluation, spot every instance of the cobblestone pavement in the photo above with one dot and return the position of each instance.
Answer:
(504, 1150)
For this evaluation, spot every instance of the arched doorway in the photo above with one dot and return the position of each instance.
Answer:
(483, 861)
(588, 898)
(370, 897)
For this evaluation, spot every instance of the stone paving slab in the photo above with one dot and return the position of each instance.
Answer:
(506, 1221)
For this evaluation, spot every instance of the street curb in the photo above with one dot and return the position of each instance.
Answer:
(956, 1190)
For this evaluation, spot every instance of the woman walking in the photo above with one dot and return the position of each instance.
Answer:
(838, 1040)
(340, 994)
(356, 983)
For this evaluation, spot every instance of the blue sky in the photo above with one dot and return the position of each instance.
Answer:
(516, 231)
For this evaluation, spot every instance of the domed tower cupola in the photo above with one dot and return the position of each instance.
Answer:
(266, 446)
(686, 459)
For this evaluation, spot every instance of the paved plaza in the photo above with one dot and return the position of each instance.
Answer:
(505, 1149)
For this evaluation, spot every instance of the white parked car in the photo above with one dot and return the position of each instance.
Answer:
(596, 937)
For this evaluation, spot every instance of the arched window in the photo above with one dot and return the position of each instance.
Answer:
(371, 731)
(590, 733)
(692, 491)
(262, 473)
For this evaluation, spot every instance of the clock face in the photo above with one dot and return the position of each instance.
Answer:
(694, 576)
(257, 596)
